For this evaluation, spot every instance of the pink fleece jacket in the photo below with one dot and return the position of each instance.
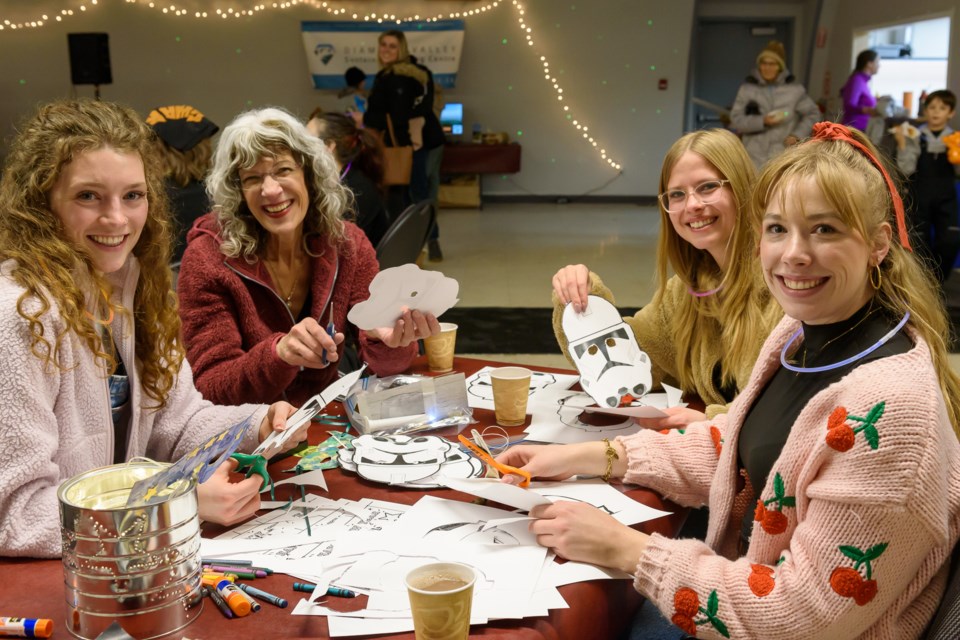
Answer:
(857, 521)
(55, 424)
(232, 318)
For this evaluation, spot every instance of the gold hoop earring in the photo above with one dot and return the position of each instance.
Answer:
(879, 281)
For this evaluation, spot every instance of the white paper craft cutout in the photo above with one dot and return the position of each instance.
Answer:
(563, 420)
(480, 389)
(406, 286)
(606, 353)
(273, 443)
(407, 461)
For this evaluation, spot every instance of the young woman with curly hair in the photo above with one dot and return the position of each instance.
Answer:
(93, 371)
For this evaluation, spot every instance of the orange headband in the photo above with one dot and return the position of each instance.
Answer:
(834, 131)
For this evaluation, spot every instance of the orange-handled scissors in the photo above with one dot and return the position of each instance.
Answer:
(502, 468)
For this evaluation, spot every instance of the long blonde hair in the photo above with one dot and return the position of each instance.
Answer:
(48, 262)
(856, 189)
(739, 307)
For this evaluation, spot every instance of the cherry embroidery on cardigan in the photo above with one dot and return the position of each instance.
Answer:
(761, 580)
(774, 521)
(848, 583)
(841, 436)
(717, 438)
(686, 605)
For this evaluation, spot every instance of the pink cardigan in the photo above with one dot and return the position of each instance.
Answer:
(232, 318)
(859, 515)
(55, 424)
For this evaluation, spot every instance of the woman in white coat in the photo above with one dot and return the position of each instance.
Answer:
(772, 111)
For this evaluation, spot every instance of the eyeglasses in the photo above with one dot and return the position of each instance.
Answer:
(283, 173)
(675, 200)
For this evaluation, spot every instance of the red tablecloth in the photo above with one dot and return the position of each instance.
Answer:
(598, 609)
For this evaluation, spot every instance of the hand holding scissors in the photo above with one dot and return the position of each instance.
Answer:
(502, 468)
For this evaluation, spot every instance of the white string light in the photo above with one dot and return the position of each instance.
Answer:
(558, 90)
(172, 10)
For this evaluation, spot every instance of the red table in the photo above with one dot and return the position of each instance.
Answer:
(598, 609)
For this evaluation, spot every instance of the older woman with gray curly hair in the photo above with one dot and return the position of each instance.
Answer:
(274, 266)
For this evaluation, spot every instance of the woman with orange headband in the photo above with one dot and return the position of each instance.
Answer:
(834, 480)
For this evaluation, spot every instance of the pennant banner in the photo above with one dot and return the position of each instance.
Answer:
(332, 47)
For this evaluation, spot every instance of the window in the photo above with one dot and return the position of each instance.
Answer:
(913, 59)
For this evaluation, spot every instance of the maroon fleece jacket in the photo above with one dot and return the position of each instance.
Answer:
(233, 318)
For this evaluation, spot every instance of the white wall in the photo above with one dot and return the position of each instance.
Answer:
(602, 52)
(844, 18)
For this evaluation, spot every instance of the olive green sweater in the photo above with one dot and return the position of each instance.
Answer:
(653, 326)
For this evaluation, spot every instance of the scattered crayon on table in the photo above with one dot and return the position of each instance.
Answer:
(340, 592)
(304, 586)
(263, 595)
(219, 601)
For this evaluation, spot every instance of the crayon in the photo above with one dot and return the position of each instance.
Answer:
(263, 595)
(25, 628)
(340, 592)
(237, 571)
(238, 563)
(219, 601)
(254, 605)
(304, 586)
(234, 597)
(213, 579)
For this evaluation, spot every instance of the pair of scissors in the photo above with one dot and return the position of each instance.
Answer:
(249, 464)
(487, 458)
(331, 331)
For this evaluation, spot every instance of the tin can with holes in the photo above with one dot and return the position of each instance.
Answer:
(139, 566)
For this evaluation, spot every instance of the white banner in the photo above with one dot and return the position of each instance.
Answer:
(332, 47)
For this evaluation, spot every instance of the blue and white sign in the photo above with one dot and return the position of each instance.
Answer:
(332, 47)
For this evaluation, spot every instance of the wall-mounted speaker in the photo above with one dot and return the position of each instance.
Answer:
(89, 58)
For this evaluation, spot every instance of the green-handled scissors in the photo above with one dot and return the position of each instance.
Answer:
(502, 468)
(249, 464)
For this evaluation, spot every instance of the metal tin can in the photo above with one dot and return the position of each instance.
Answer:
(139, 566)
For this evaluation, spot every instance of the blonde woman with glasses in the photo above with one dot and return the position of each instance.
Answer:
(706, 322)
(268, 278)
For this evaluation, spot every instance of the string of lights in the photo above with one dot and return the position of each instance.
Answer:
(339, 11)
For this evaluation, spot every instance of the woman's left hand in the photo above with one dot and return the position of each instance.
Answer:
(411, 326)
(581, 532)
(276, 420)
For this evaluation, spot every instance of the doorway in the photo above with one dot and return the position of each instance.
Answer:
(724, 52)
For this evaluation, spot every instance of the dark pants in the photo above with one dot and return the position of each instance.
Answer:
(425, 179)
(934, 229)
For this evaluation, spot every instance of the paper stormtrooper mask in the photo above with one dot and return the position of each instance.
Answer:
(606, 353)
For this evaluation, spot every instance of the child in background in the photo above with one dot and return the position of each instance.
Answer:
(353, 97)
(924, 160)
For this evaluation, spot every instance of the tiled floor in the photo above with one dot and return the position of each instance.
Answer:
(506, 254)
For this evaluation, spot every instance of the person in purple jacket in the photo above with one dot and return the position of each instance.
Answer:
(858, 101)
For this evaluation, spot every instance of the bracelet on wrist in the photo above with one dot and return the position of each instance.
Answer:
(611, 455)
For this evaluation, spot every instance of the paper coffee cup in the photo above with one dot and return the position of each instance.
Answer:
(441, 595)
(440, 348)
(511, 388)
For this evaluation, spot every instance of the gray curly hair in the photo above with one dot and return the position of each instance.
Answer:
(252, 136)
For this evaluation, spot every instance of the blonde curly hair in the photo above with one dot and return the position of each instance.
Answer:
(48, 264)
(267, 133)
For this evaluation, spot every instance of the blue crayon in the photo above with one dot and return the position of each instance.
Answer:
(340, 592)
(219, 601)
(263, 595)
(304, 586)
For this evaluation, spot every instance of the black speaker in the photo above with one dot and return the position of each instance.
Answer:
(89, 58)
